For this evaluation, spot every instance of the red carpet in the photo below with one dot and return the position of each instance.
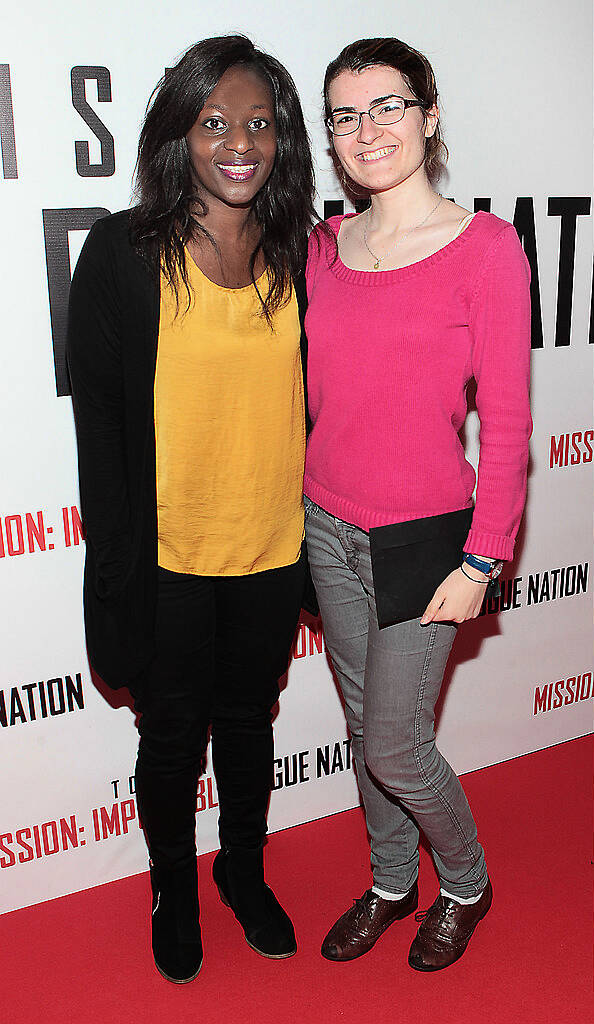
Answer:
(86, 958)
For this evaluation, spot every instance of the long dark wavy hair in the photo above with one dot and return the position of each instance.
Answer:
(169, 203)
(418, 75)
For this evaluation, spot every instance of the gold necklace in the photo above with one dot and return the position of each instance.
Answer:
(380, 259)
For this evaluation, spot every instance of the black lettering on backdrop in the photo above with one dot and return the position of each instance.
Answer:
(569, 209)
(78, 77)
(525, 226)
(333, 207)
(9, 160)
(56, 225)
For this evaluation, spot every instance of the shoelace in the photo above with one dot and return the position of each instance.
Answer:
(440, 912)
(440, 908)
(361, 908)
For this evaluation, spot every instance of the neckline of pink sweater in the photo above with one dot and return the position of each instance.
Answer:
(382, 277)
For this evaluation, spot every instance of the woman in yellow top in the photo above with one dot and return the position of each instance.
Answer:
(184, 354)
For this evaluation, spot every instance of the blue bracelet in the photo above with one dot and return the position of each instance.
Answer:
(478, 563)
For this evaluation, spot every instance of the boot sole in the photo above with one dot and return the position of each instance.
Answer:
(270, 956)
(178, 981)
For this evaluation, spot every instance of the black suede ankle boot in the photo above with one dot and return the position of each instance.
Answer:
(239, 875)
(176, 938)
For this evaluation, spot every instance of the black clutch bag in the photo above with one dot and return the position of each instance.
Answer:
(409, 561)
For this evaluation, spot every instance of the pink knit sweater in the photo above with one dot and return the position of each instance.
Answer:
(390, 355)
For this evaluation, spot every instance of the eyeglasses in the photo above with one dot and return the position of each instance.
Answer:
(389, 111)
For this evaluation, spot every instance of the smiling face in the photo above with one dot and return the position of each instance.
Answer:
(232, 144)
(380, 157)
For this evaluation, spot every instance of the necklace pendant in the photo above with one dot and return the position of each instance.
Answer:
(376, 265)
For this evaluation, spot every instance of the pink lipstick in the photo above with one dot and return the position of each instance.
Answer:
(238, 172)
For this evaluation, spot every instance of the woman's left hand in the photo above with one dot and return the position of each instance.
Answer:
(456, 599)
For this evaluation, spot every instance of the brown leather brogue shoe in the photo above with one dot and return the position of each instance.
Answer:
(445, 931)
(357, 931)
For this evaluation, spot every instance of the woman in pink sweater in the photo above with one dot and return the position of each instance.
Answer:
(414, 299)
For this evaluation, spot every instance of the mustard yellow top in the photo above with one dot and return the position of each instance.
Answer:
(230, 432)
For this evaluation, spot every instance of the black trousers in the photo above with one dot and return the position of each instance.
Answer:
(222, 644)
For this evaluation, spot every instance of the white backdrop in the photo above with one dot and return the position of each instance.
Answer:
(515, 83)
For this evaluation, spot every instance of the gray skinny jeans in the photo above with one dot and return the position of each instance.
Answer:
(390, 680)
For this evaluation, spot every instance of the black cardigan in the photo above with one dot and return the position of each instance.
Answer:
(113, 329)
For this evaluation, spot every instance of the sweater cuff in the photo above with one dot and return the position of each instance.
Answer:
(490, 545)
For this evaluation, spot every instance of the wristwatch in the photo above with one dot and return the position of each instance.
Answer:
(489, 566)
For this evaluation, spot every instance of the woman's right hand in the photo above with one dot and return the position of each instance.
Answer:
(457, 599)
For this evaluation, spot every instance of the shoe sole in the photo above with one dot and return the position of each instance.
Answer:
(269, 956)
(349, 959)
(178, 981)
(428, 969)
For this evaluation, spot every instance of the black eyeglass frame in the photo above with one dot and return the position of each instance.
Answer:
(406, 104)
